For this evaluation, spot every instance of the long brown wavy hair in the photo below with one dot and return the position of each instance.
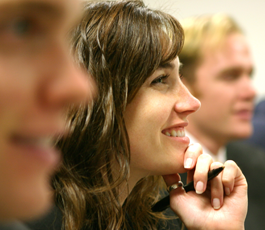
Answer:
(120, 44)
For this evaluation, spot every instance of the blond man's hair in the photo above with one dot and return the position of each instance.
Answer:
(203, 33)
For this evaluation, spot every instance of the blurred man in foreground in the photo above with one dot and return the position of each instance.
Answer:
(38, 81)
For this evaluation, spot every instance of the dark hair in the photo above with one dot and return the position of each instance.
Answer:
(120, 44)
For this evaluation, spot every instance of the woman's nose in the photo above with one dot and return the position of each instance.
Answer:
(187, 103)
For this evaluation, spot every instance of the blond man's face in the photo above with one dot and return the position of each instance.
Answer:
(38, 80)
(224, 87)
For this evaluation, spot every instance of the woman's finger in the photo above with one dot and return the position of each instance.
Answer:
(229, 174)
(191, 155)
(204, 162)
(217, 192)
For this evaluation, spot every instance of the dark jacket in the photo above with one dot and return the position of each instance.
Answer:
(13, 226)
(251, 160)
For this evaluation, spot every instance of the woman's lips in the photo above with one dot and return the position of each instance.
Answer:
(177, 134)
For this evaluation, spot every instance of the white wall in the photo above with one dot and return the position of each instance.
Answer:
(250, 15)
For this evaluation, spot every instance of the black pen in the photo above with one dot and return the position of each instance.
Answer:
(165, 202)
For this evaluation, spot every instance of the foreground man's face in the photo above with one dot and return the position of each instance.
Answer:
(38, 80)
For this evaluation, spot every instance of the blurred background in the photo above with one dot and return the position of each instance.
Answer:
(249, 14)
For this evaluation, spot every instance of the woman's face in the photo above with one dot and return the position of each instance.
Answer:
(156, 120)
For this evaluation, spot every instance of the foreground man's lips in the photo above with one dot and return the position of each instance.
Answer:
(39, 149)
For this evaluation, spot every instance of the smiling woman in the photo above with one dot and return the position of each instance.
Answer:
(159, 108)
(126, 47)
(134, 131)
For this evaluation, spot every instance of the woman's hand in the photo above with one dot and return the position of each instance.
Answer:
(220, 204)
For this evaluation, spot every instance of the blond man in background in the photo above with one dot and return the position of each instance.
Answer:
(217, 69)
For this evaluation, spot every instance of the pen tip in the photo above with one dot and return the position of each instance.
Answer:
(220, 169)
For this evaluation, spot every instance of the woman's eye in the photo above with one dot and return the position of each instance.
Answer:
(181, 76)
(160, 80)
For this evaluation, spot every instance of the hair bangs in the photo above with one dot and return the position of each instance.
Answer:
(160, 40)
(171, 38)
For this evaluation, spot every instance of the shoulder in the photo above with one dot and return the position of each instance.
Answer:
(251, 160)
(51, 221)
(13, 226)
(242, 150)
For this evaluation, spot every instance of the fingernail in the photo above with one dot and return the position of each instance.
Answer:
(193, 148)
(199, 187)
(227, 191)
(216, 203)
(188, 163)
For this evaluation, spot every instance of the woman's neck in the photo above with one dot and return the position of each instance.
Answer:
(127, 186)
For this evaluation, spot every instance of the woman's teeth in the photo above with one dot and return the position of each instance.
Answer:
(176, 133)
